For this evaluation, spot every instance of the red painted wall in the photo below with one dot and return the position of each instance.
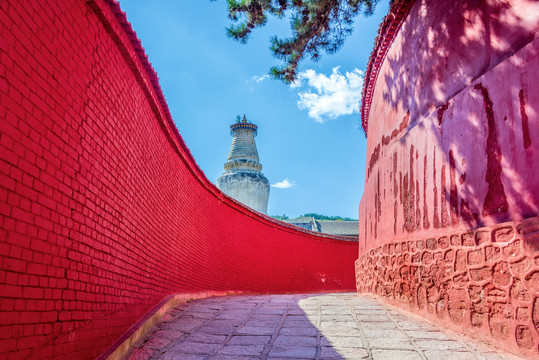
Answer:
(452, 146)
(455, 74)
(103, 211)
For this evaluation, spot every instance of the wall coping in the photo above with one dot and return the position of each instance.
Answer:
(387, 31)
(119, 28)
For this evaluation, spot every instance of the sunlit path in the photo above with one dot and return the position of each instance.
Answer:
(307, 326)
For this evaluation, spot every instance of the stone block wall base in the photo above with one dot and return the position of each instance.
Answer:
(482, 282)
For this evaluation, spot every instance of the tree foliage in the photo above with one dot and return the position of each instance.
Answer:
(315, 216)
(317, 26)
(325, 217)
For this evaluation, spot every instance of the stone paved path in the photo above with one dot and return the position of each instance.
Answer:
(315, 326)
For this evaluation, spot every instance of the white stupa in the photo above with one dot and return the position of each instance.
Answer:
(242, 178)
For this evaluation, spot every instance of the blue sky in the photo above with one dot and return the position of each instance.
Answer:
(310, 141)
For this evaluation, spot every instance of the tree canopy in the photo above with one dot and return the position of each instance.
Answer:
(326, 217)
(315, 216)
(317, 26)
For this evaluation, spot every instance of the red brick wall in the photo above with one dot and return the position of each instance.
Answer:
(103, 211)
(452, 147)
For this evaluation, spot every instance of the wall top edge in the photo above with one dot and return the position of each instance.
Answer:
(171, 131)
(387, 31)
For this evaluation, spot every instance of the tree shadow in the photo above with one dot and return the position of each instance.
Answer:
(468, 105)
(437, 62)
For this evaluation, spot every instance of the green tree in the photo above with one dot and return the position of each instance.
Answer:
(325, 217)
(317, 26)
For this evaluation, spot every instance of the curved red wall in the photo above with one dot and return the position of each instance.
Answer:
(448, 220)
(103, 211)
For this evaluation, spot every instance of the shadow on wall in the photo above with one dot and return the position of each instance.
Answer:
(452, 49)
(446, 49)
(451, 227)
(457, 112)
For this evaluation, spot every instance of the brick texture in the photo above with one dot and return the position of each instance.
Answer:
(103, 211)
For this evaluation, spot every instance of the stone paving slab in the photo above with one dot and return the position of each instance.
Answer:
(297, 327)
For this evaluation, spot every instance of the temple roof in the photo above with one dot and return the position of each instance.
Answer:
(331, 227)
(343, 228)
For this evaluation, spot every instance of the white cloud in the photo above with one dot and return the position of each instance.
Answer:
(261, 78)
(329, 97)
(285, 184)
(297, 83)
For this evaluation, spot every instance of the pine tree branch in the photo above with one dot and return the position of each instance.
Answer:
(317, 25)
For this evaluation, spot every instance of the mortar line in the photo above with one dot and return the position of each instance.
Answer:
(235, 332)
(269, 344)
(318, 328)
(364, 340)
(438, 329)
(421, 352)
(185, 333)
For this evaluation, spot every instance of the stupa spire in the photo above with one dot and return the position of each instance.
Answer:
(242, 178)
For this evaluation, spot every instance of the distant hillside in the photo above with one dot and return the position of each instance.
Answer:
(316, 216)
(325, 217)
